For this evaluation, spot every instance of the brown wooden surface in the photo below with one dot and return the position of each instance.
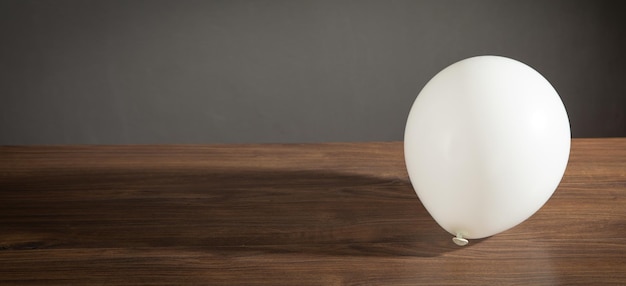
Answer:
(308, 214)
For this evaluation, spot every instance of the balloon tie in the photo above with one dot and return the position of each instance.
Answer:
(459, 240)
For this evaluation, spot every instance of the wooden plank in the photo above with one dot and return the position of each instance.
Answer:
(285, 214)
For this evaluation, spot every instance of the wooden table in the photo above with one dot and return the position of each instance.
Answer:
(286, 214)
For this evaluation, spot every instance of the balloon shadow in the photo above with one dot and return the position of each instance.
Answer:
(224, 211)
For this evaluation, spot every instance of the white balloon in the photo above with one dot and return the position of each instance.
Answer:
(486, 144)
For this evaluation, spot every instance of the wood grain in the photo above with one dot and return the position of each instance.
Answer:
(286, 214)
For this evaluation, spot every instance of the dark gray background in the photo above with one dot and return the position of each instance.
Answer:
(109, 72)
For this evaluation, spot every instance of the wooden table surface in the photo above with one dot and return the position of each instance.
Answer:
(287, 214)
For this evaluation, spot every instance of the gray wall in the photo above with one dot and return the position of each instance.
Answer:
(109, 72)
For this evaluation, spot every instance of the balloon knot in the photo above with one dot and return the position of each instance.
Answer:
(459, 240)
